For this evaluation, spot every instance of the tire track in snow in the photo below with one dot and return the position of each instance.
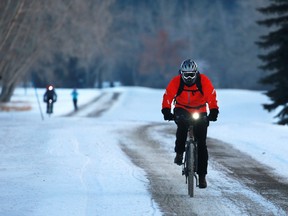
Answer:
(105, 105)
(166, 182)
(85, 106)
(234, 191)
(97, 106)
(250, 172)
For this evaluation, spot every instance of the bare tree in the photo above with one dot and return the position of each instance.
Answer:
(20, 41)
(161, 54)
(15, 43)
(33, 31)
(83, 35)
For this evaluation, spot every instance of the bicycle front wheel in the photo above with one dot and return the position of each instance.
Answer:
(190, 166)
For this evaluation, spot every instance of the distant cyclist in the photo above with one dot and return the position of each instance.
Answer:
(50, 97)
(191, 92)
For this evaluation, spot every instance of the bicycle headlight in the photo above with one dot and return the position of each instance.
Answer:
(195, 116)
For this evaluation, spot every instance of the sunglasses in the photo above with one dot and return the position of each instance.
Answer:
(189, 74)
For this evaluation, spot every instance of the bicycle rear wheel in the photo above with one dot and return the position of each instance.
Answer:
(190, 166)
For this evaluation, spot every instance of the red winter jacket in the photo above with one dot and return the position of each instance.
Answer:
(191, 98)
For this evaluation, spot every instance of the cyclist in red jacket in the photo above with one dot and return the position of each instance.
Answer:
(191, 92)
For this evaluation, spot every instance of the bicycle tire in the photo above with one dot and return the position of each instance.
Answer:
(190, 166)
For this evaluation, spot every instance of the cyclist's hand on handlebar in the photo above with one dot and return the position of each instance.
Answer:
(167, 114)
(213, 115)
(170, 117)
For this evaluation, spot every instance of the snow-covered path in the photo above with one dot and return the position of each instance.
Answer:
(76, 165)
(66, 167)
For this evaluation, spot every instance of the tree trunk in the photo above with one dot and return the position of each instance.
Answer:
(7, 92)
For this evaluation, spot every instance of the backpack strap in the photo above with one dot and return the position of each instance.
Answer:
(180, 88)
(199, 84)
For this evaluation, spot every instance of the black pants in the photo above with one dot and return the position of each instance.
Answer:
(200, 133)
(75, 104)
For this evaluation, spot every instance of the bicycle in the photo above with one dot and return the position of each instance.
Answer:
(49, 110)
(190, 164)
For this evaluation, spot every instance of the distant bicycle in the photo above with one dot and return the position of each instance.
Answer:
(49, 107)
(190, 164)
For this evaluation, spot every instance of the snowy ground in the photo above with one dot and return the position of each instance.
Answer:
(75, 165)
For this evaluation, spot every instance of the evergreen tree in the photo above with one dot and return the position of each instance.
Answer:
(276, 60)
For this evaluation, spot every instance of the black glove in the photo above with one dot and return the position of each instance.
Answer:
(167, 114)
(213, 115)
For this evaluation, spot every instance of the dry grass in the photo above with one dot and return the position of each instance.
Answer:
(15, 106)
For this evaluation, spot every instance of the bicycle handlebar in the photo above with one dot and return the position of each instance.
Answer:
(191, 119)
